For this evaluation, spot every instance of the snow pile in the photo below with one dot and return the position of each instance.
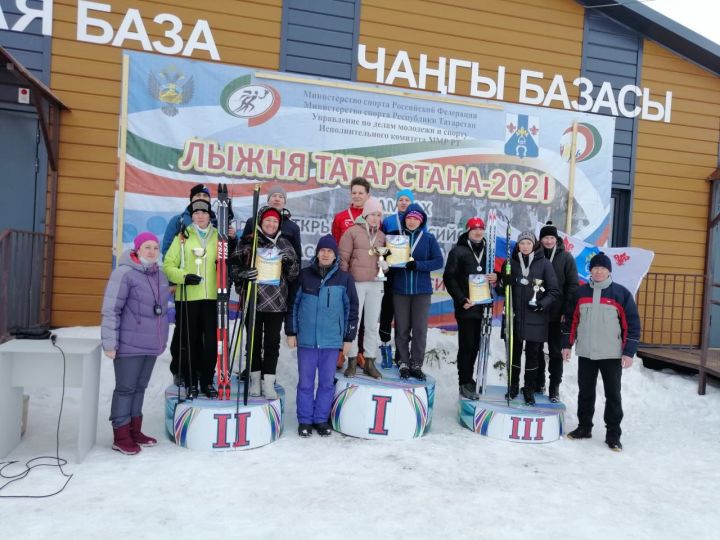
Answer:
(450, 484)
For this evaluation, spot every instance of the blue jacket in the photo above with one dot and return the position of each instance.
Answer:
(427, 255)
(393, 223)
(325, 312)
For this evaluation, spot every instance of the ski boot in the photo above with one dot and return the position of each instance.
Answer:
(529, 395)
(387, 355)
(370, 370)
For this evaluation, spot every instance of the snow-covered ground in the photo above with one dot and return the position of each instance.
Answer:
(451, 483)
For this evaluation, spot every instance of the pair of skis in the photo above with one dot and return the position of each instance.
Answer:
(483, 358)
(223, 293)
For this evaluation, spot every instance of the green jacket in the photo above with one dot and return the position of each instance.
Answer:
(180, 261)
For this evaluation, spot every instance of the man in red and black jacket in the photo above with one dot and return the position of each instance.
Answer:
(604, 325)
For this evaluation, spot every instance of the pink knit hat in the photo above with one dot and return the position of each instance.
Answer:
(143, 237)
(372, 205)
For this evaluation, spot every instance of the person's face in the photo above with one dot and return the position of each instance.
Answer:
(326, 256)
(359, 196)
(201, 219)
(525, 246)
(149, 250)
(548, 242)
(402, 203)
(476, 234)
(412, 223)
(201, 196)
(277, 201)
(270, 225)
(373, 219)
(599, 273)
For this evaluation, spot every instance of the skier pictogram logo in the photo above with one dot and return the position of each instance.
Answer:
(256, 103)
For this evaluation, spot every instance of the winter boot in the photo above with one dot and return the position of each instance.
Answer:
(416, 372)
(123, 442)
(513, 392)
(580, 432)
(210, 391)
(137, 435)
(255, 384)
(304, 430)
(323, 428)
(529, 395)
(193, 392)
(352, 367)
(370, 370)
(404, 371)
(467, 391)
(387, 355)
(340, 360)
(613, 442)
(554, 393)
(268, 387)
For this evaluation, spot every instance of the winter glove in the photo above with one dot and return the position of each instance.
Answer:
(250, 274)
(411, 265)
(192, 279)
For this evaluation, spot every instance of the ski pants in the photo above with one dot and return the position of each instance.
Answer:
(132, 375)
(198, 332)
(469, 331)
(266, 348)
(411, 320)
(370, 295)
(533, 350)
(611, 371)
(314, 408)
(555, 356)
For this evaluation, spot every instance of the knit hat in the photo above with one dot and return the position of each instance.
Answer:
(143, 237)
(199, 188)
(269, 211)
(475, 223)
(199, 206)
(327, 242)
(601, 260)
(405, 193)
(527, 235)
(415, 214)
(274, 189)
(549, 230)
(372, 205)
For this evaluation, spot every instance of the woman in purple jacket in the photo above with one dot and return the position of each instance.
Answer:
(134, 332)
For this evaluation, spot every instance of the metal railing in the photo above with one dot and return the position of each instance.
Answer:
(670, 308)
(25, 281)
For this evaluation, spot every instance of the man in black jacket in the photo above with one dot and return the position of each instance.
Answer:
(469, 256)
(567, 277)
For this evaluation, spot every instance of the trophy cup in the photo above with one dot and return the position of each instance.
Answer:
(537, 286)
(381, 252)
(199, 256)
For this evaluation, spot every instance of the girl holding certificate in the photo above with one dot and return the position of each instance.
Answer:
(359, 249)
(277, 265)
(412, 289)
(468, 258)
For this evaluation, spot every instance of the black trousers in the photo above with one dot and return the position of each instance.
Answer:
(611, 371)
(468, 346)
(533, 351)
(198, 331)
(266, 347)
(555, 353)
(387, 312)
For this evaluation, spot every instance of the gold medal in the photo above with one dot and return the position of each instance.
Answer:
(371, 252)
(410, 258)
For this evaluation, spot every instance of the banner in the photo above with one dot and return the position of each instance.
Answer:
(191, 122)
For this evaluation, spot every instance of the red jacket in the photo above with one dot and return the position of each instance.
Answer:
(343, 221)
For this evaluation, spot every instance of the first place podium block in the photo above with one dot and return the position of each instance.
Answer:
(221, 425)
(491, 416)
(387, 408)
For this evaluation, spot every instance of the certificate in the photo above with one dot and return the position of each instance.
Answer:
(269, 266)
(399, 246)
(479, 289)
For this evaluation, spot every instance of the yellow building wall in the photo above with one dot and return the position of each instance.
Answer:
(672, 194)
(86, 77)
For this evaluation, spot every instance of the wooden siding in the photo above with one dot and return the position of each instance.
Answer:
(86, 77)
(541, 35)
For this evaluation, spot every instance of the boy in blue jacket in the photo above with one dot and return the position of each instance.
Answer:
(412, 290)
(605, 327)
(323, 320)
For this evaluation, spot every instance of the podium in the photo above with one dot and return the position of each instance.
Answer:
(387, 408)
(221, 425)
(491, 416)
